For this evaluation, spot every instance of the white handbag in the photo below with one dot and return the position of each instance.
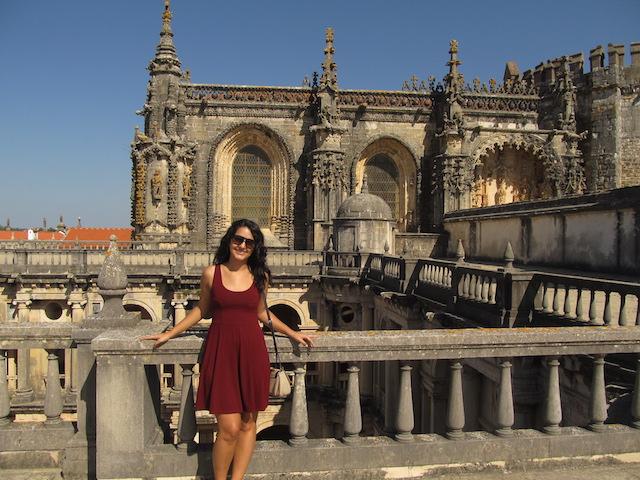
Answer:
(279, 385)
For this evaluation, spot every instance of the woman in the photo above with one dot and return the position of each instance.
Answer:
(234, 372)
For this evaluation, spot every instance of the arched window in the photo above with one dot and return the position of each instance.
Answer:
(382, 178)
(251, 186)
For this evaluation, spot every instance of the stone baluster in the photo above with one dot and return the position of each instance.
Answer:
(352, 413)
(593, 318)
(635, 401)
(623, 319)
(579, 309)
(472, 286)
(505, 418)
(455, 405)
(466, 285)
(299, 421)
(598, 403)
(187, 421)
(24, 392)
(485, 289)
(608, 319)
(478, 294)
(556, 299)
(404, 415)
(53, 393)
(5, 408)
(493, 288)
(553, 406)
(546, 304)
(76, 302)
(568, 305)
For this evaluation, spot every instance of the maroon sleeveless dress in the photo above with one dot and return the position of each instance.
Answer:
(234, 371)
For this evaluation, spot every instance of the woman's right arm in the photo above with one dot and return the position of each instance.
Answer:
(200, 311)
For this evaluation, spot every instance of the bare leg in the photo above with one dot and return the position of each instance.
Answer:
(246, 444)
(225, 444)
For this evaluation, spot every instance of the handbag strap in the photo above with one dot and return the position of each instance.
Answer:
(273, 335)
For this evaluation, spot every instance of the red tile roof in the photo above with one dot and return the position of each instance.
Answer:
(98, 234)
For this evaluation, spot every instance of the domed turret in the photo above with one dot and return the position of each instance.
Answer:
(364, 221)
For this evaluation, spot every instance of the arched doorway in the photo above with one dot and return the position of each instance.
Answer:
(144, 313)
(288, 315)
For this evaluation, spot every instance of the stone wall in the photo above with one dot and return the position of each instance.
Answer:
(593, 232)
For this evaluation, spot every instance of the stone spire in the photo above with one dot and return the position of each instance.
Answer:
(453, 78)
(166, 59)
(329, 78)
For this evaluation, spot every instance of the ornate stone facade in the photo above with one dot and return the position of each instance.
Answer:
(545, 133)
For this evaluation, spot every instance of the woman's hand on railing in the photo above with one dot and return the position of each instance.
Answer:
(160, 339)
(302, 339)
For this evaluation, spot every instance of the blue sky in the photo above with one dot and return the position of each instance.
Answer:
(74, 71)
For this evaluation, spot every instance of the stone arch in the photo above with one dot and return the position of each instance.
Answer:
(406, 163)
(223, 153)
(291, 313)
(135, 305)
(508, 168)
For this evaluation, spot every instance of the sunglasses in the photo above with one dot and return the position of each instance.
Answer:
(238, 240)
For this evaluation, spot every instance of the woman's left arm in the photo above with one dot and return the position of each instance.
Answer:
(279, 326)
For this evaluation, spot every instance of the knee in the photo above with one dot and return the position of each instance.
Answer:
(248, 425)
(229, 433)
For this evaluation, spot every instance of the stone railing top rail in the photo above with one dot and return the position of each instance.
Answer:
(395, 345)
(45, 335)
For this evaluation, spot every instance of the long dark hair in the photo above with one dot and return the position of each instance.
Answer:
(257, 261)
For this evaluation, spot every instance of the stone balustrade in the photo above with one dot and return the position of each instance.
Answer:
(171, 262)
(53, 432)
(125, 412)
(586, 300)
(128, 426)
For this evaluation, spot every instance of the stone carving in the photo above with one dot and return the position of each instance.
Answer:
(329, 78)
(156, 186)
(186, 184)
(566, 94)
(328, 171)
(172, 192)
(140, 181)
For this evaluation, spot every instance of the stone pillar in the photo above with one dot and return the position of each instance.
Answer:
(505, 419)
(553, 406)
(179, 313)
(77, 303)
(24, 392)
(53, 395)
(299, 422)
(598, 403)
(126, 415)
(455, 407)
(187, 421)
(5, 409)
(404, 414)
(352, 412)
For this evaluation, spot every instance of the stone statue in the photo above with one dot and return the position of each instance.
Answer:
(156, 186)
(186, 186)
(501, 193)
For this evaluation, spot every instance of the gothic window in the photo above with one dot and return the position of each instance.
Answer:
(382, 177)
(251, 186)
